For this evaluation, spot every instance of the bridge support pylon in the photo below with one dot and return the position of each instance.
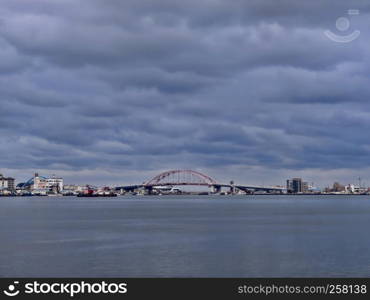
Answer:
(148, 190)
(216, 189)
(232, 188)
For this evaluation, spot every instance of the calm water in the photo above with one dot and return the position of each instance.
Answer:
(205, 236)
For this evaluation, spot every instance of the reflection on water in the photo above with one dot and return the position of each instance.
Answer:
(186, 236)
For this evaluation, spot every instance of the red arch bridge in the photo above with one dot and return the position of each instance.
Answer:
(174, 178)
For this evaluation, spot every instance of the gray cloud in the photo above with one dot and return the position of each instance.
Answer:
(115, 92)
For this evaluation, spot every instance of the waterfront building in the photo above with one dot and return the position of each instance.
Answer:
(55, 184)
(355, 189)
(6, 183)
(43, 185)
(296, 185)
(338, 188)
(72, 188)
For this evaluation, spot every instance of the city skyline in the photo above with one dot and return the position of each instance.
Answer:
(244, 91)
(356, 182)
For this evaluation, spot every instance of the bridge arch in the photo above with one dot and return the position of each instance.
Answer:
(181, 177)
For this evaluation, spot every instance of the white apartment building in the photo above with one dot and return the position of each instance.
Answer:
(40, 183)
(6, 183)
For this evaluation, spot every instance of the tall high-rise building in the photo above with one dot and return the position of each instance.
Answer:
(296, 185)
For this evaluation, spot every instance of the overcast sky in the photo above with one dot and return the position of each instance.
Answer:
(113, 92)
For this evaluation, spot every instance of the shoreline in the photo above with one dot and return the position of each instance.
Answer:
(195, 194)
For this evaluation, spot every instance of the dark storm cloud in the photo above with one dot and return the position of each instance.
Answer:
(127, 88)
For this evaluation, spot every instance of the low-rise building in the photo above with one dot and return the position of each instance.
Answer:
(74, 189)
(355, 189)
